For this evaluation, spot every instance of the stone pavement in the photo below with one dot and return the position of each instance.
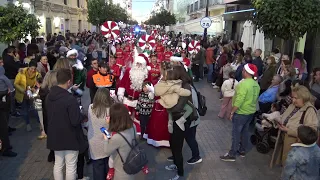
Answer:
(214, 138)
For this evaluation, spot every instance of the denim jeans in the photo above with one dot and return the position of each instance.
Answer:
(100, 168)
(144, 119)
(26, 108)
(68, 158)
(240, 133)
(190, 136)
(210, 72)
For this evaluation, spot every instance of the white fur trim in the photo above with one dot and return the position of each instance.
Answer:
(149, 68)
(185, 67)
(246, 67)
(71, 52)
(176, 59)
(121, 91)
(162, 143)
(151, 95)
(79, 65)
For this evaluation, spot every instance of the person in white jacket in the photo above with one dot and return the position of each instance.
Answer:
(228, 89)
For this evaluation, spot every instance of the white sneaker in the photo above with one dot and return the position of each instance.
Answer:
(84, 178)
(171, 167)
(175, 178)
(213, 84)
(29, 128)
(215, 87)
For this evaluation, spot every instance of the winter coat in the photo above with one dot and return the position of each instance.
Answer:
(169, 92)
(41, 69)
(5, 83)
(228, 87)
(21, 83)
(64, 122)
(287, 139)
(267, 76)
(210, 56)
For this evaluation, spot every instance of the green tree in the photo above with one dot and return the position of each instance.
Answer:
(162, 18)
(100, 11)
(286, 19)
(16, 23)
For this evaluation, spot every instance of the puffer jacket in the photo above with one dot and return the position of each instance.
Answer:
(169, 92)
(20, 83)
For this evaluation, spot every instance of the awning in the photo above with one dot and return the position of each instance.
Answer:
(241, 15)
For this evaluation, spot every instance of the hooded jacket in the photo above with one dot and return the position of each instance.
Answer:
(5, 83)
(64, 121)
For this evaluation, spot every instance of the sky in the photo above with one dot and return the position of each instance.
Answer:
(141, 8)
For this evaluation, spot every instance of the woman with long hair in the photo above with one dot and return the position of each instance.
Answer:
(117, 147)
(301, 64)
(98, 112)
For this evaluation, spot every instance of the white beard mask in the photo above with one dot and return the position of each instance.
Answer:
(137, 76)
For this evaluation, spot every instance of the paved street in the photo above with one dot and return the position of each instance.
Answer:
(214, 138)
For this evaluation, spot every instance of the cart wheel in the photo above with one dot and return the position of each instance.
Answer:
(254, 140)
(263, 147)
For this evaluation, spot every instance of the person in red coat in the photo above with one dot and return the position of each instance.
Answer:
(186, 61)
(114, 67)
(168, 53)
(127, 53)
(154, 72)
(119, 55)
(159, 50)
(131, 85)
(89, 83)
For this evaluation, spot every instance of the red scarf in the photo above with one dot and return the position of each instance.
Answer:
(45, 67)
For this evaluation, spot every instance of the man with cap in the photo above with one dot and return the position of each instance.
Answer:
(131, 83)
(103, 79)
(154, 73)
(243, 108)
(79, 72)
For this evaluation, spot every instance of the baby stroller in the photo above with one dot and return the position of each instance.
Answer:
(264, 140)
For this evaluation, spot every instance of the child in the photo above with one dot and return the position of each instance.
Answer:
(110, 174)
(272, 118)
(303, 161)
(169, 89)
(144, 107)
(227, 89)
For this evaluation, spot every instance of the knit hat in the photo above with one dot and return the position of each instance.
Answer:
(251, 69)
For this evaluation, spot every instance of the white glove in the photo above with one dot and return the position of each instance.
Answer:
(180, 122)
(120, 98)
(150, 88)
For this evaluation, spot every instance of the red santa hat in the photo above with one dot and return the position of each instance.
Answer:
(251, 69)
(142, 59)
(176, 59)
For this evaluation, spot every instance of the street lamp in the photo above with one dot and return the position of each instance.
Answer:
(205, 29)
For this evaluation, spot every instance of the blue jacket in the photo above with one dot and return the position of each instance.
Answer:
(270, 95)
(303, 162)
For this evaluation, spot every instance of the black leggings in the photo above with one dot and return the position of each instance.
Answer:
(176, 145)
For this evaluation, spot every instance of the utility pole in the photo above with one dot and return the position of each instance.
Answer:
(205, 29)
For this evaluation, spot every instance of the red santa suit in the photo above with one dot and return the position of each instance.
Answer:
(120, 56)
(167, 55)
(186, 61)
(128, 93)
(154, 73)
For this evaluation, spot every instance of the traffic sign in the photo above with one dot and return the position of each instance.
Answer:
(205, 22)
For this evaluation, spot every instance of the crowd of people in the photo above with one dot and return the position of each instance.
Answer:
(149, 93)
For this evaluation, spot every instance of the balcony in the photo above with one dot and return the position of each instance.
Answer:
(200, 6)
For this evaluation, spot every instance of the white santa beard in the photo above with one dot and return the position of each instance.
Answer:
(137, 77)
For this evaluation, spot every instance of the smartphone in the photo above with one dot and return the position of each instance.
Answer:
(104, 131)
(79, 84)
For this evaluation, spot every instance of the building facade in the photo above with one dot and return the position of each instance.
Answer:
(190, 13)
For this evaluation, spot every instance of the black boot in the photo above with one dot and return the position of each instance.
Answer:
(9, 153)
(51, 156)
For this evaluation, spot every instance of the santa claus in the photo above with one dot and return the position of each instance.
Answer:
(131, 84)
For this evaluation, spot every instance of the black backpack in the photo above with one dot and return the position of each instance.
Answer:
(136, 159)
(202, 107)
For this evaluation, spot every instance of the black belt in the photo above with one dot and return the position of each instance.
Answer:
(131, 98)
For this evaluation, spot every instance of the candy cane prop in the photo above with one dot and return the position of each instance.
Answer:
(194, 47)
(110, 29)
(146, 39)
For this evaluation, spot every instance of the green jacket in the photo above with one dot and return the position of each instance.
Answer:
(246, 96)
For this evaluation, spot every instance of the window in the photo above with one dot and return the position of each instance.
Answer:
(196, 7)
(191, 8)
(78, 3)
(202, 3)
(65, 2)
(188, 9)
(80, 25)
